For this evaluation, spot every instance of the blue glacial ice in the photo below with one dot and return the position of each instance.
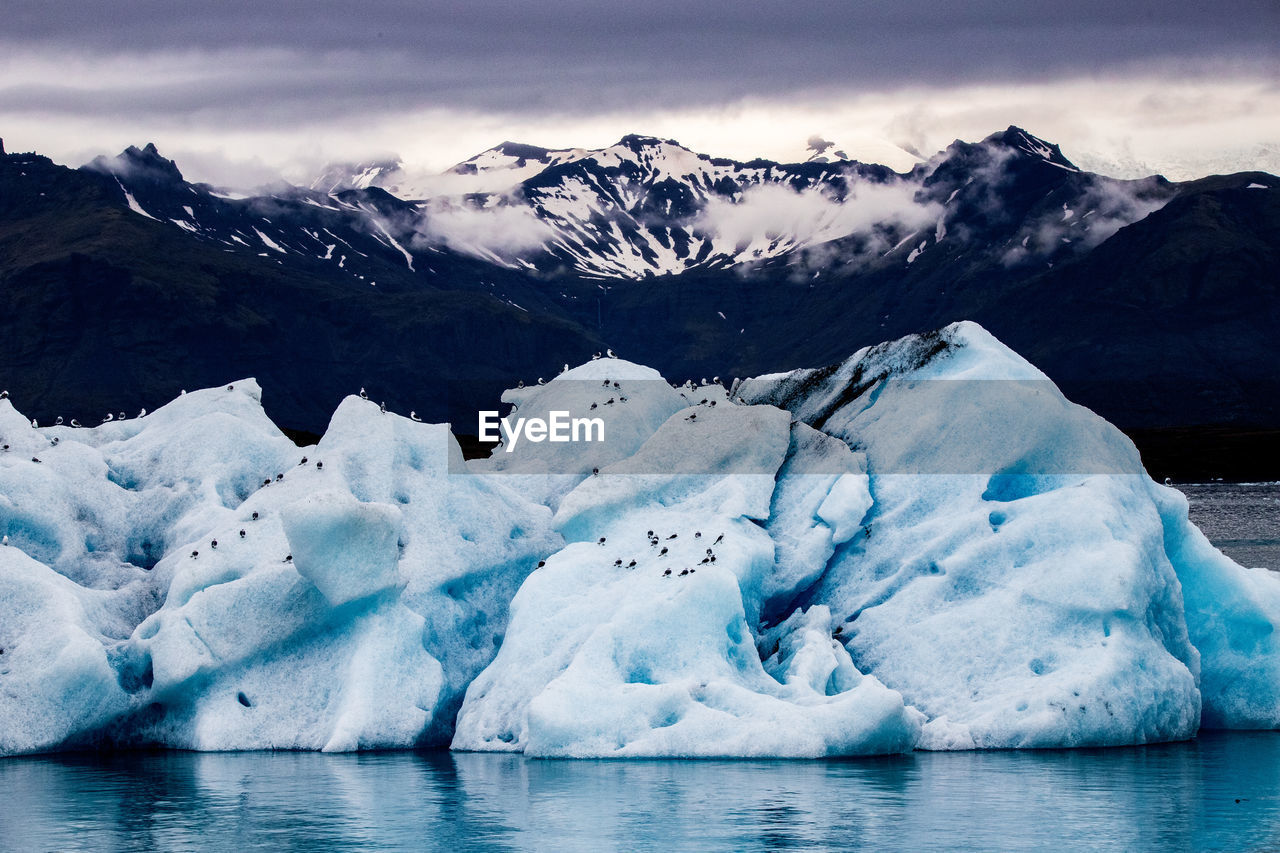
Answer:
(924, 546)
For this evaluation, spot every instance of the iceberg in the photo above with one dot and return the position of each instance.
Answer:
(924, 546)
(240, 592)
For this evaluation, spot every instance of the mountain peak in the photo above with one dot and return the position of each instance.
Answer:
(139, 164)
(1026, 142)
(338, 177)
(150, 160)
(637, 141)
(520, 151)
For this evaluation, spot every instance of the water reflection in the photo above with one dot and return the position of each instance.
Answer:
(1180, 796)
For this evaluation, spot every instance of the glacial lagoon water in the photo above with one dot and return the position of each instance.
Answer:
(1166, 797)
(1218, 792)
(1241, 519)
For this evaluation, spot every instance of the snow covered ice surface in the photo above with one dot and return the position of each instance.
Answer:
(925, 546)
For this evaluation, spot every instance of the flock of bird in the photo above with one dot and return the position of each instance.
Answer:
(244, 534)
(655, 540)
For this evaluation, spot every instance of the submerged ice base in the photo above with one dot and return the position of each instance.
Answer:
(925, 546)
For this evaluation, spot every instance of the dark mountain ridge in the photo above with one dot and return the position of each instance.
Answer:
(1155, 303)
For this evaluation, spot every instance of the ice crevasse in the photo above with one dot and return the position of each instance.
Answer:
(924, 546)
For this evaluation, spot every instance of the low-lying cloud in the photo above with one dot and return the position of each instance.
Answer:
(1105, 208)
(503, 230)
(770, 212)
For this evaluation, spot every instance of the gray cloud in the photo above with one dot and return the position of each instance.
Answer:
(297, 81)
(583, 55)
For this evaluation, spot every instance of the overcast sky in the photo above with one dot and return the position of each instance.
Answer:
(241, 91)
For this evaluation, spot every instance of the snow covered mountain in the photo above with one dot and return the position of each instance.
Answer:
(648, 207)
(862, 559)
(498, 169)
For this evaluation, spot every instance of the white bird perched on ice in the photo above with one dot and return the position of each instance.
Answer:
(75, 424)
(34, 425)
(57, 421)
(413, 416)
(142, 413)
(110, 417)
(363, 394)
(609, 353)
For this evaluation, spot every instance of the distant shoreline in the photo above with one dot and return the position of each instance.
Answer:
(1206, 454)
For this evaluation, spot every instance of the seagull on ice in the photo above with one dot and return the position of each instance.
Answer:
(595, 357)
(57, 421)
(609, 353)
(4, 395)
(241, 532)
(5, 540)
(363, 394)
(142, 413)
(719, 539)
(34, 425)
(110, 417)
(413, 416)
(383, 408)
(75, 424)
